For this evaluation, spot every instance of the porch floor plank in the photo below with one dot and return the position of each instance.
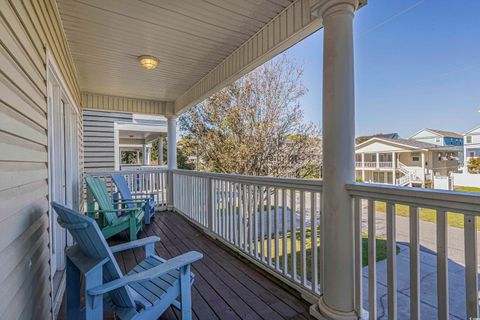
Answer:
(225, 286)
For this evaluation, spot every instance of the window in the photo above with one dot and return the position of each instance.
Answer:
(472, 154)
(469, 139)
(415, 157)
(378, 177)
(437, 139)
(390, 177)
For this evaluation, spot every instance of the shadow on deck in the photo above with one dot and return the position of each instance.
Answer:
(225, 286)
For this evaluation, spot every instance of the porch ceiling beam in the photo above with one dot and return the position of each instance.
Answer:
(125, 104)
(289, 27)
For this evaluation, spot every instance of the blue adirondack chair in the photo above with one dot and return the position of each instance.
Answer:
(126, 195)
(144, 293)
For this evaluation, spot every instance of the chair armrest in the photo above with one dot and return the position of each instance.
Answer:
(128, 200)
(113, 210)
(139, 199)
(143, 193)
(134, 244)
(124, 203)
(155, 272)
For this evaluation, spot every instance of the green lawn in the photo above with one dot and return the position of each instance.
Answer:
(467, 189)
(381, 247)
(454, 219)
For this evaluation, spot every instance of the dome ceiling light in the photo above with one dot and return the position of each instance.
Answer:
(149, 62)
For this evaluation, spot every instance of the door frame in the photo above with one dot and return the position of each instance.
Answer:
(54, 79)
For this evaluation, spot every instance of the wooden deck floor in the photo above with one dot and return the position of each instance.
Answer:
(225, 286)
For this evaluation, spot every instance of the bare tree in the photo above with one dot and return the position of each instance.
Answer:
(255, 126)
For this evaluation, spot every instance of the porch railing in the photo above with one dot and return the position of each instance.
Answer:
(372, 200)
(275, 223)
(152, 181)
(271, 221)
(370, 164)
(385, 164)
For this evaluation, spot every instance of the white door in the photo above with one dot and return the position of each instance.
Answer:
(63, 165)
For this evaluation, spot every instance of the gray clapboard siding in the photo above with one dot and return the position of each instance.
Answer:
(28, 29)
(98, 138)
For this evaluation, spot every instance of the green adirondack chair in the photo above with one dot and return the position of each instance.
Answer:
(111, 220)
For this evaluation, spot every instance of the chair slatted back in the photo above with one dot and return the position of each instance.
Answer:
(123, 188)
(91, 242)
(98, 188)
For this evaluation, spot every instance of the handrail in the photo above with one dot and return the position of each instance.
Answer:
(454, 201)
(295, 183)
(257, 217)
(109, 172)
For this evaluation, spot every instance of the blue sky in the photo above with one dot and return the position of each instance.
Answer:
(417, 64)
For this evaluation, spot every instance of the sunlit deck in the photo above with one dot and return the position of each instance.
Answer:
(225, 287)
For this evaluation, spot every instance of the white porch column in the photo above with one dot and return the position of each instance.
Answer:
(377, 158)
(337, 301)
(149, 155)
(172, 142)
(138, 157)
(363, 167)
(423, 169)
(394, 166)
(144, 154)
(160, 151)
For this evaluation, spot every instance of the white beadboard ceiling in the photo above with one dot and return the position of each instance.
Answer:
(189, 37)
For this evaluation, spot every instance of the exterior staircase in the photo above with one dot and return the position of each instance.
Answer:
(409, 176)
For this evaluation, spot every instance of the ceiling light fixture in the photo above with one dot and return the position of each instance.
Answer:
(149, 62)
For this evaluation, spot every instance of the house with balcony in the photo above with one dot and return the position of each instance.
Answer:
(404, 162)
(61, 59)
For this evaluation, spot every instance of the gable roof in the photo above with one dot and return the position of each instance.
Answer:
(446, 133)
(441, 133)
(472, 130)
(410, 143)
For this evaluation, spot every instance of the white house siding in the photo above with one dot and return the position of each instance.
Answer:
(471, 147)
(26, 29)
(428, 137)
(99, 142)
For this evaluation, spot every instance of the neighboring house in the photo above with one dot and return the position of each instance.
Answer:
(471, 148)
(403, 161)
(438, 137)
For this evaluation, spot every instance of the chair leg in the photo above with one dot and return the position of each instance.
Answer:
(186, 293)
(93, 304)
(148, 212)
(133, 229)
(73, 291)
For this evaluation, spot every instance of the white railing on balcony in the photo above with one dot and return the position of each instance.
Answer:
(385, 164)
(368, 197)
(358, 164)
(274, 222)
(133, 167)
(370, 164)
(141, 181)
